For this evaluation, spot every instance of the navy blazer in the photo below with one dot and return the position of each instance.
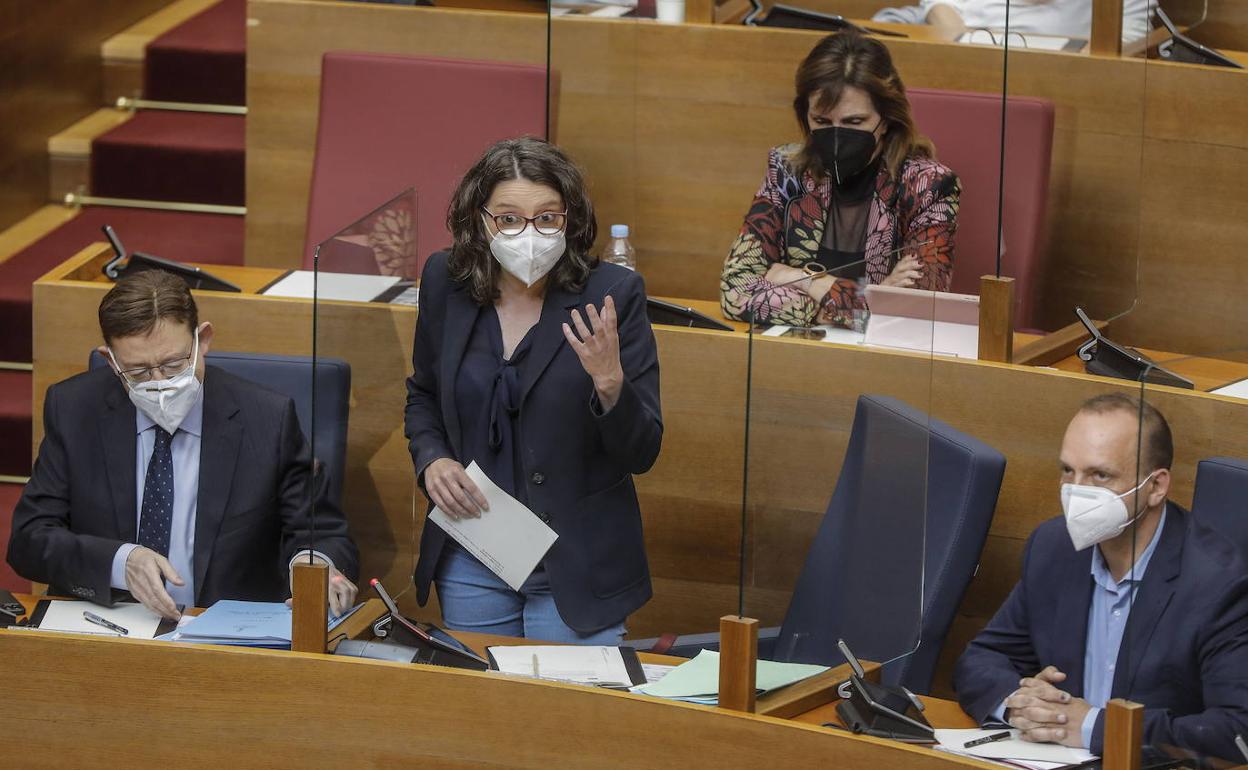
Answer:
(1184, 653)
(252, 513)
(577, 463)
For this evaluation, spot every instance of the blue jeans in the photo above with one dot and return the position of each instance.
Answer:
(475, 599)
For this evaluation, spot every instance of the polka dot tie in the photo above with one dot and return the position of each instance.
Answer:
(156, 518)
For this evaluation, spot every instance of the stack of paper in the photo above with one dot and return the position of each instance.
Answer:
(566, 663)
(1012, 752)
(698, 680)
(244, 624)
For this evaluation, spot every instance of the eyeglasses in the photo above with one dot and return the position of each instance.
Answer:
(168, 370)
(546, 223)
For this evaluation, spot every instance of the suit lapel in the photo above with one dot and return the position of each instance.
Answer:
(218, 456)
(119, 440)
(461, 316)
(548, 336)
(1075, 601)
(1155, 592)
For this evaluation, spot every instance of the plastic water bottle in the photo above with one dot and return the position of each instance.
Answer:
(619, 251)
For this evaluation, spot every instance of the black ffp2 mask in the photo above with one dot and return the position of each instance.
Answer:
(844, 151)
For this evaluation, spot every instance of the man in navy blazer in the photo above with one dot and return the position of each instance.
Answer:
(204, 492)
(1155, 612)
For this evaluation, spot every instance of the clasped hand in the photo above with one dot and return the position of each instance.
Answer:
(1046, 714)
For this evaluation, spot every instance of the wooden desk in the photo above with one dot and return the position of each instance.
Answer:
(691, 499)
(1206, 373)
(142, 703)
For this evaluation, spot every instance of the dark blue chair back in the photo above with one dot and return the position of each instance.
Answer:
(863, 579)
(1221, 499)
(292, 376)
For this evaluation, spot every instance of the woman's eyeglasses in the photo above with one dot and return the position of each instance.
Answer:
(546, 223)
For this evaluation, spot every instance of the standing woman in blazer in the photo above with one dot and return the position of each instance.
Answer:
(538, 363)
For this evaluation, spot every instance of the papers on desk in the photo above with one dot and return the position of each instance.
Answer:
(605, 666)
(1235, 389)
(245, 624)
(509, 539)
(697, 681)
(349, 287)
(66, 616)
(1012, 751)
(835, 334)
(1019, 40)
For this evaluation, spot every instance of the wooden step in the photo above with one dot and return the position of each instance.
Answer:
(123, 53)
(31, 229)
(69, 152)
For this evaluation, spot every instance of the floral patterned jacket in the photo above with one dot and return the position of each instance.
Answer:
(785, 224)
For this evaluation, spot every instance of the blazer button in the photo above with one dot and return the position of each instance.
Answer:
(545, 517)
(538, 478)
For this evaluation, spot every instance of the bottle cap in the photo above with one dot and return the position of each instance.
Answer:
(619, 231)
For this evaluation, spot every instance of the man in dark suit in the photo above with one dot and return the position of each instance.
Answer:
(176, 482)
(1129, 596)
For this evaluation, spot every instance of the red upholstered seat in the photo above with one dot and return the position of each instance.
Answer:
(966, 129)
(392, 122)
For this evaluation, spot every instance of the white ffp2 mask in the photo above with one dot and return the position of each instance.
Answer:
(1095, 514)
(530, 255)
(167, 402)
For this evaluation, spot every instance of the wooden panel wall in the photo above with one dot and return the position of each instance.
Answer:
(50, 75)
(673, 124)
(804, 396)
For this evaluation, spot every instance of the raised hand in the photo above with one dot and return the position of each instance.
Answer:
(597, 345)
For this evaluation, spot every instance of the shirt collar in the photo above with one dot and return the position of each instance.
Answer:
(1100, 570)
(192, 424)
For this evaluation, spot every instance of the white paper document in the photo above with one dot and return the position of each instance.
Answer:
(347, 287)
(564, 663)
(1236, 389)
(67, 616)
(509, 539)
(1013, 749)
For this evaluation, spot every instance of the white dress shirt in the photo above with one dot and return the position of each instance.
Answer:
(185, 451)
(1065, 18)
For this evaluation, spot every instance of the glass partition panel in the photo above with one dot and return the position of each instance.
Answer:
(364, 280)
(1193, 232)
(835, 487)
(363, 316)
(1074, 171)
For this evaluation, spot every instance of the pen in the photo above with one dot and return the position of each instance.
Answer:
(987, 739)
(91, 617)
(1243, 747)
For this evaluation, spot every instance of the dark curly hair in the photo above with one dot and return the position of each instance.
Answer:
(536, 161)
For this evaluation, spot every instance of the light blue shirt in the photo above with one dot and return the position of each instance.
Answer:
(1107, 620)
(185, 451)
